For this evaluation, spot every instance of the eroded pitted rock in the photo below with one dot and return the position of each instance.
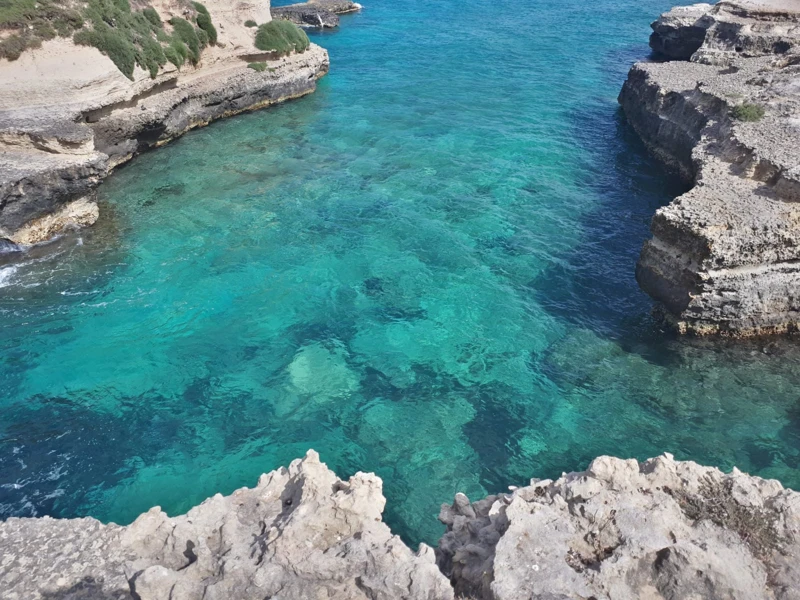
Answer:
(724, 256)
(679, 33)
(627, 530)
(301, 533)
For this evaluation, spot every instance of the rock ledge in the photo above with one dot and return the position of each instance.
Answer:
(660, 529)
(725, 256)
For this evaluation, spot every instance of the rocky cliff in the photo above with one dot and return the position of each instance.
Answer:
(661, 529)
(724, 112)
(68, 115)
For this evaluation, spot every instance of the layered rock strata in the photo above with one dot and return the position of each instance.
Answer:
(724, 256)
(301, 533)
(319, 14)
(660, 529)
(68, 116)
(624, 530)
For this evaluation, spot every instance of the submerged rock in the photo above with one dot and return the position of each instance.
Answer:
(320, 13)
(625, 530)
(307, 15)
(724, 256)
(8, 247)
(301, 533)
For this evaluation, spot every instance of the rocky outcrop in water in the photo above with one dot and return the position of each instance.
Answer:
(625, 530)
(661, 529)
(68, 116)
(301, 533)
(319, 14)
(724, 256)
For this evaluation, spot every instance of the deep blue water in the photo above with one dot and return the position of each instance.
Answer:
(425, 270)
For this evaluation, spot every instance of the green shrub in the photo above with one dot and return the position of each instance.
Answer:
(113, 43)
(176, 53)
(128, 37)
(748, 112)
(187, 34)
(151, 14)
(12, 47)
(43, 30)
(250, 23)
(202, 37)
(281, 37)
(151, 56)
(258, 66)
(205, 25)
(27, 23)
(16, 12)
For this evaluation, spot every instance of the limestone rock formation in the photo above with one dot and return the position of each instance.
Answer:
(625, 530)
(68, 115)
(724, 256)
(300, 534)
(679, 33)
(320, 14)
(621, 530)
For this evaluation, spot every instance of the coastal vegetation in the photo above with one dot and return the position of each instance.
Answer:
(128, 37)
(250, 23)
(281, 37)
(260, 67)
(748, 112)
(28, 23)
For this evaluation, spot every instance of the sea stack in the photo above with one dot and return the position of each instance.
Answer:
(722, 108)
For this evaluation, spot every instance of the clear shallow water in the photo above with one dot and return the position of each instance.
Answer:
(425, 270)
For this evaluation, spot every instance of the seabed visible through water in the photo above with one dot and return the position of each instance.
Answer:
(424, 269)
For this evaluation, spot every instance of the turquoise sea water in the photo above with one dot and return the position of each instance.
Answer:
(424, 270)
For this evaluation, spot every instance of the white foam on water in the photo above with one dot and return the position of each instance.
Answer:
(5, 275)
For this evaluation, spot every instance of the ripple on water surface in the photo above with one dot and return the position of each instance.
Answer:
(424, 270)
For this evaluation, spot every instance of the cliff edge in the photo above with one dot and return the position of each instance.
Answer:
(661, 529)
(69, 115)
(724, 112)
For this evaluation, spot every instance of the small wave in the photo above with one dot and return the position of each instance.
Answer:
(5, 275)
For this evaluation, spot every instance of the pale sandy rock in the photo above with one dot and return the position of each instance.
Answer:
(623, 530)
(79, 213)
(301, 533)
(68, 116)
(723, 257)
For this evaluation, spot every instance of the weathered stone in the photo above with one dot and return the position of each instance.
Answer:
(307, 15)
(624, 530)
(680, 32)
(301, 534)
(724, 256)
(620, 530)
(319, 14)
(64, 128)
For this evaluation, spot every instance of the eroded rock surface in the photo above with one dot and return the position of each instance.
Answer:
(319, 14)
(724, 256)
(300, 534)
(657, 530)
(623, 530)
(68, 115)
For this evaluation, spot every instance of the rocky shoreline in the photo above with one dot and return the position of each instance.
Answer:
(318, 14)
(621, 529)
(724, 112)
(63, 128)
